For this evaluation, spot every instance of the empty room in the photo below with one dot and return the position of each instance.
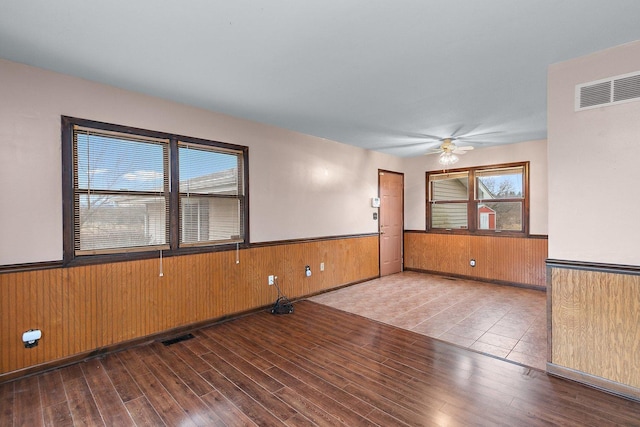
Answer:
(319, 213)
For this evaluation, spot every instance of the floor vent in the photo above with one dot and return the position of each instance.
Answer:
(178, 339)
(611, 91)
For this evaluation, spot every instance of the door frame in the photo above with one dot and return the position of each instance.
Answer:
(381, 172)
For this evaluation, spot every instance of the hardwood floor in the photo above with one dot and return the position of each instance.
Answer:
(503, 321)
(317, 366)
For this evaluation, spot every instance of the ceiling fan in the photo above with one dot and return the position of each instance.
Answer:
(449, 151)
(449, 145)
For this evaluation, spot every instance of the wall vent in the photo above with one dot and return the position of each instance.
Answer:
(614, 90)
(178, 339)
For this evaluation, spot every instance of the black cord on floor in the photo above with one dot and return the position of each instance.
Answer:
(282, 304)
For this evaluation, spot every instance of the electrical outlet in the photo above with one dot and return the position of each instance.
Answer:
(271, 280)
(322, 266)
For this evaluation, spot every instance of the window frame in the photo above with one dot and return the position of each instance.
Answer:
(173, 246)
(473, 203)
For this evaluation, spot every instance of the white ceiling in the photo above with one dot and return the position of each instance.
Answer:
(380, 74)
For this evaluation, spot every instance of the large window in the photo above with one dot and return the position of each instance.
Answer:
(489, 199)
(134, 191)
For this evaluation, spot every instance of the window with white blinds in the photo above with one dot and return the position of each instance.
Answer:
(448, 198)
(121, 191)
(211, 194)
(131, 191)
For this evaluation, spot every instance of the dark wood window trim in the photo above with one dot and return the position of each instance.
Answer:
(472, 204)
(69, 256)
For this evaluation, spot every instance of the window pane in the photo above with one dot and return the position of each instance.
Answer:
(505, 183)
(112, 163)
(120, 191)
(195, 220)
(449, 215)
(503, 216)
(205, 171)
(211, 194)
(210, 219)
(227, 225)
(449, 186)
(120, 221)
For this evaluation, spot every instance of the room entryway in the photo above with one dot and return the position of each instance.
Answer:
(391, 223)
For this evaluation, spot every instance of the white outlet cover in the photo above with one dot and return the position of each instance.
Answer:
(30, 336)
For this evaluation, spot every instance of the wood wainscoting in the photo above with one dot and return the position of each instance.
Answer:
(85, 310)
(514, 260)
(594, 316)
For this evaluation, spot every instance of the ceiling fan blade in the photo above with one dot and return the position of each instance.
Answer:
(434, 137)
(461, 150)
(475, 135)
(456, 132)
(411, 144)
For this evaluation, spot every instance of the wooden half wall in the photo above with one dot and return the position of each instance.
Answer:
(85, 310)
(513, 260)
(594, 323)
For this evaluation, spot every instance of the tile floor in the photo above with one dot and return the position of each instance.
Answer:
(503, 321)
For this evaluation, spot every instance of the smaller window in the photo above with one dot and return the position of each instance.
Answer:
(486, 199)
(211, 195)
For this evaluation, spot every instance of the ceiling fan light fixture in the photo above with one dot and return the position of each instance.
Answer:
(447, 158)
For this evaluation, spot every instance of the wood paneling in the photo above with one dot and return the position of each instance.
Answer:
(504, 259)
(595, 319)
(85, 309)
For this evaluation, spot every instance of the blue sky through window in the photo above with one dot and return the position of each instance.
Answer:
(196, 162)
(110, 163)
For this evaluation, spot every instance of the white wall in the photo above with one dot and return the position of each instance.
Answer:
(534, 151)
(594, 169)
(300, 186)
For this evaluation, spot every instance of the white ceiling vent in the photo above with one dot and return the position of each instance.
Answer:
(614, 90)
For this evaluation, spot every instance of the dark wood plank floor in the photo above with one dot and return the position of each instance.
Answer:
(318, 366)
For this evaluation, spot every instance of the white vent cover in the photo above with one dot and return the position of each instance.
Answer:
(614, 90)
